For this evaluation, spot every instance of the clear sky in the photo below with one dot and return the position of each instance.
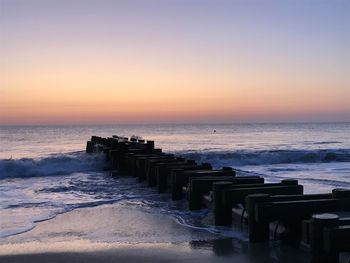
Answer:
(110, 61)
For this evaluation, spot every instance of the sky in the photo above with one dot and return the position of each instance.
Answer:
(165, 61)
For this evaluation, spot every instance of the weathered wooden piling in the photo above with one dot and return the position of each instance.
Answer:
(258, 230)
(150, 145)
(336, 240)
(297, 208)
(284, 202)
(89, 147)
(202, 185)
(341, 193)
(142, 164)
(222, 214)
(96, 143)
(238, 193)
(164, 173)
(182, 178)
(163, 170)
(151, 167)
(133, 158)
(319, 223)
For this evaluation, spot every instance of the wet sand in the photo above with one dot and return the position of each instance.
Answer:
(118, 233)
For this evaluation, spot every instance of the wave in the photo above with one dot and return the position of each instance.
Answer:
(55, 164)
(308, 178)
(264, 157)
(326, 142)
(61, 164)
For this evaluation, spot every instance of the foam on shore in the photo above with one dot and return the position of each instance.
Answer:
(119, 233)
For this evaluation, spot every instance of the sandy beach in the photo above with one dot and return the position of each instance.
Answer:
(118, 233)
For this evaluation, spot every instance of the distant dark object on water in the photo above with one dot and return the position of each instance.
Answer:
(214, 131)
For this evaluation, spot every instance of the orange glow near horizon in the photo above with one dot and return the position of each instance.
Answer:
(154, 68)
(64, 95)
(42, 96)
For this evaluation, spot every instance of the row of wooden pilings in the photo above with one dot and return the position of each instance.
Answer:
(314, 220)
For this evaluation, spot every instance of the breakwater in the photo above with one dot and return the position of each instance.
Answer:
(320, 222)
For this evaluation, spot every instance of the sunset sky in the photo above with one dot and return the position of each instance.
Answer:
(111, 61)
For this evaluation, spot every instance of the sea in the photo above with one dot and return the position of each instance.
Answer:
(44, 170)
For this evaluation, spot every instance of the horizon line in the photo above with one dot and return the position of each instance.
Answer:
(179, 123)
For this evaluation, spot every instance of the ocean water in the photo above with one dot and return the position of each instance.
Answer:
(44, 170)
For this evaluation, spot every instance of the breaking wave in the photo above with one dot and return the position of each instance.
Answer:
(55, 164)
(60, 164)
(264, 157)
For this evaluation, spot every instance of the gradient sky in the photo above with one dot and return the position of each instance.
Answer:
(110, 61)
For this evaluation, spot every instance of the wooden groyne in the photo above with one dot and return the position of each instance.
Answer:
(320, 222)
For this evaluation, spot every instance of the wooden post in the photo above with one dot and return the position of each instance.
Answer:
(89, 147)
(176, 187)
(340, 193)
(229, 170)
(222, 207)
(318, 224)
(258, 230)
(289, 182)
(150, 145)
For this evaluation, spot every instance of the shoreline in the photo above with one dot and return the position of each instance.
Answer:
(109, 233)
